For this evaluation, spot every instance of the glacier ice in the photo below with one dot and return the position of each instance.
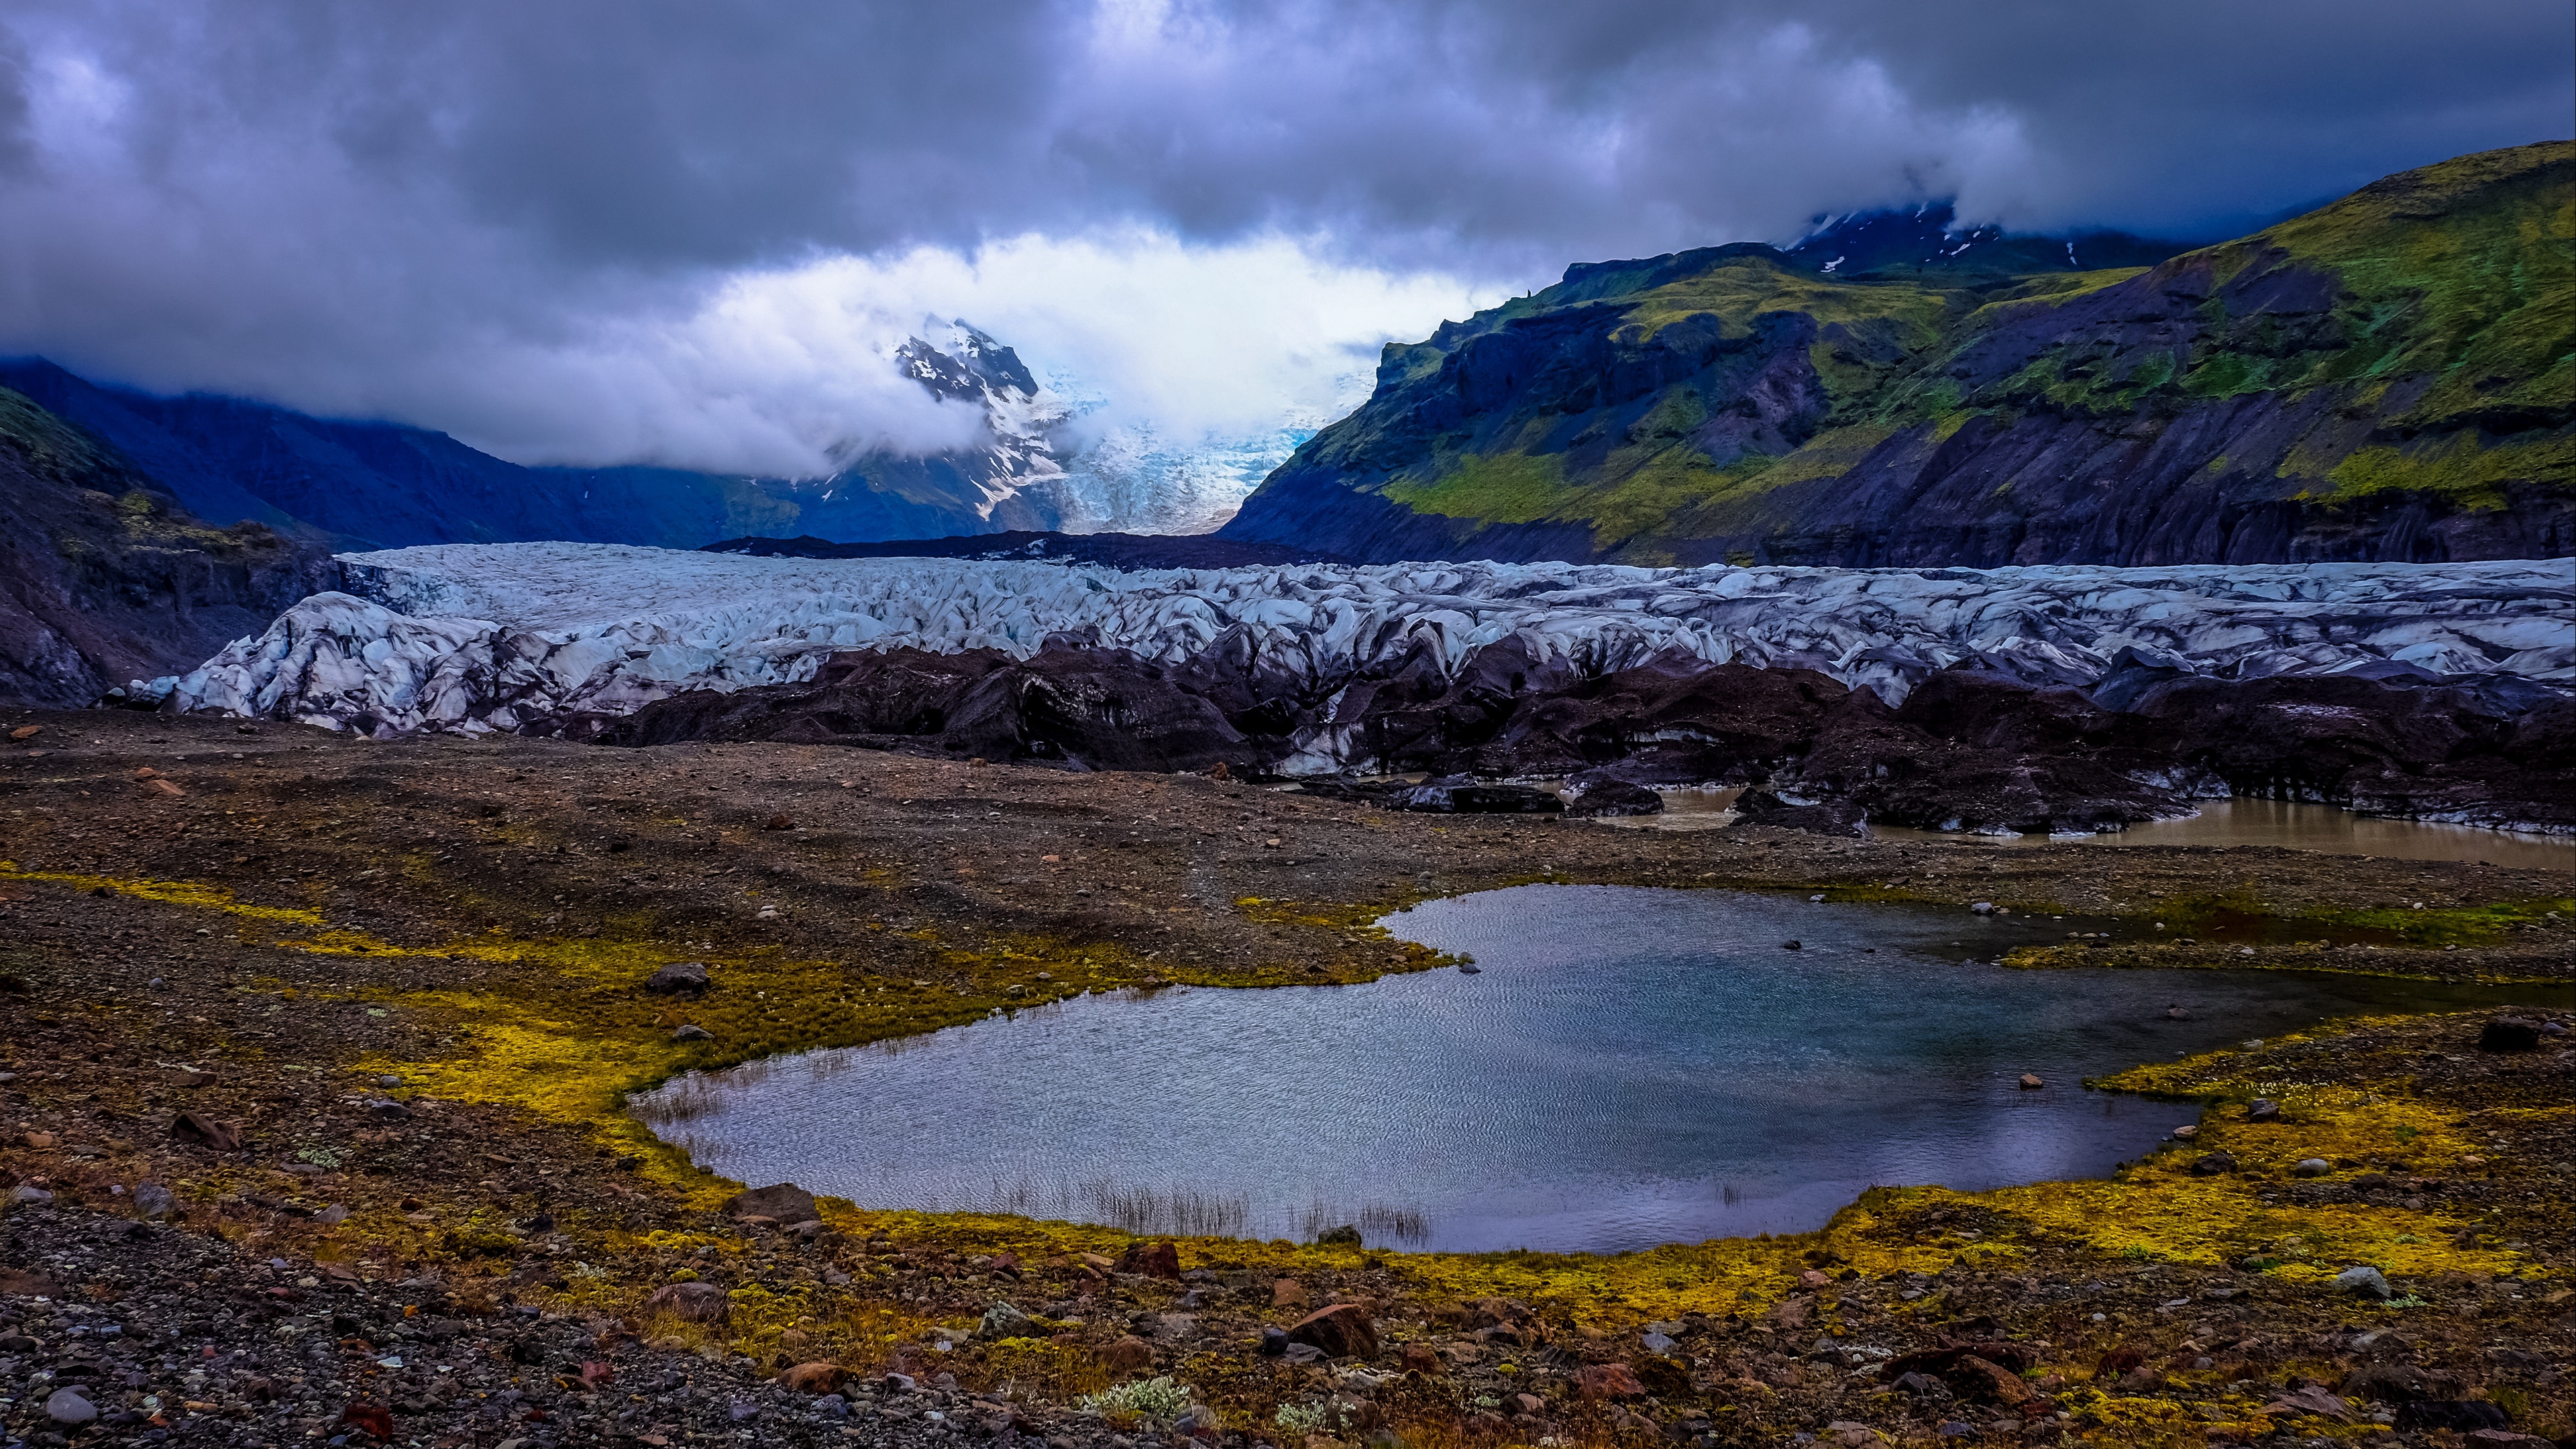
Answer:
(477, 637)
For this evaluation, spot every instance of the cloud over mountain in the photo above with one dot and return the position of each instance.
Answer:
(649, 229)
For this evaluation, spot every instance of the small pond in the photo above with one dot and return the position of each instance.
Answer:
(1628, 1067)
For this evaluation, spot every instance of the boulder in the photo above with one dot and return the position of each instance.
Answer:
(691, 1302)
(680, 978)
(153, 1202)
(1002, 1320)
(1461, 795)
(813, 1378)
(2510, 1034)
(70, 1407)
(1612, 798)
(1609, 1381)
(1339, 1330)
(782, 1202)
(2213, 1164)
(1420, 1358)
(1820, 817)
(1986, 1381)
(206, 1132)
(2461, 1415)
(2364, 1282)
(1128, 1355)
(1154, 1260)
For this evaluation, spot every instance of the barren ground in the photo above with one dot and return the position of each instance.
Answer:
(408, 975)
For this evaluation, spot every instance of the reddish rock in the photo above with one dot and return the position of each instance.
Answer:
(206, 1132)
(691, 1302)
(1609, 1381)
(1989, 1382)
(1418, 1358)
(2117, 1362)
(1288, 1293)
(813, 1378)
(1007, 1264)
(1528, 1404)
(1342, 1330)
(369, 1419)
(780, 1202)
(1129, 1355)
(1154, 1260)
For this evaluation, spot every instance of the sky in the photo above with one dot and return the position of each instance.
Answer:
(598, 231)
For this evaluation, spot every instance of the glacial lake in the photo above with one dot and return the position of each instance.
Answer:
(1627, 1067)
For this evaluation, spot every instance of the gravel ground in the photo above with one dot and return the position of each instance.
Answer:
(366, 1213)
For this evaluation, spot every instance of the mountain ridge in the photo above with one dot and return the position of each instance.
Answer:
(2387, 377)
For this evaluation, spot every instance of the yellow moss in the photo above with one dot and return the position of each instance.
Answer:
(564, 1035)
(173, 892)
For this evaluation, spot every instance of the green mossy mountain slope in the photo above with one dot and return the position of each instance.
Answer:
(2392, 376)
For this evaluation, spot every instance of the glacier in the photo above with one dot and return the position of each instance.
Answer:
(523, 636)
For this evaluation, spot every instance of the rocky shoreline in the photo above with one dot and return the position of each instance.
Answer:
(365, 1011)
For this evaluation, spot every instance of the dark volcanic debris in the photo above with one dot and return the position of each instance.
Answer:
(308, 1082)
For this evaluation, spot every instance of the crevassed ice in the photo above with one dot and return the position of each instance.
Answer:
(492, 636)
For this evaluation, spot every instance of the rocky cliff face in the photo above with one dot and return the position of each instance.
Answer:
(2390, 378)
(104, 578)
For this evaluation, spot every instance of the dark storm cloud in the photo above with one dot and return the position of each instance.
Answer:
(502, 215)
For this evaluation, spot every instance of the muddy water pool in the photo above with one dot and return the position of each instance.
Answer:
(2291, 824)
(1626, 1067)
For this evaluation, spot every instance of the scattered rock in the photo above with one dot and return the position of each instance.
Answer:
(2030, 1082)
(1419, 1358)
(1609, 1381)
(2469, 1415)
(1792, 946)
(2510, 1034)
(1985, 1380)
(783, 1202)
(2312, 1167)
(70, 1407)
(1347, 1236)
(1613, 797)
(1340, 1330)
(2312, 1399)
(691, 1031)
(813, 1378)
(2363, 1282)
(680, 978)
(1002, 1320)
(691, 1302)
(1154, 1260)
(778, 822)
(1128, 1355)
(1288, 1293)
(2262, 1109)
(30, 1193)
(153, 1202)
(2213, 1164)
(206, 1132)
